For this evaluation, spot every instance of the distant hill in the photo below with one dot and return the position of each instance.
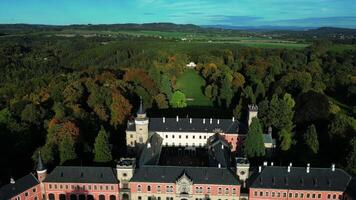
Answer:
(259, 28)
(9, 28)
(323, 32)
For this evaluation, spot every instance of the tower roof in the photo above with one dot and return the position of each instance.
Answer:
(141, 110)
(40, 165)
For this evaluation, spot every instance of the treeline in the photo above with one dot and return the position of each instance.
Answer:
(69, 98)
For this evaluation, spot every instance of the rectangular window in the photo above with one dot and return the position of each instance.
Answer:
(26, 194)
(67, 187)
(95, 187)
(273, 194)
(284, 194)
(139, 198)
(278, 194)
(55, 186)
(34, 190)
(313, 195)
(329, 196)
(208, 190)
(180, 136)
(220, 191)
(261, 194)
(233, 190)
(267, 194)
(290, 195)
(308, 195)
(50, 186)
(186, 137)
(301, 195)
(296, 195)
(319, 196)
(131, 136)
(158, 188)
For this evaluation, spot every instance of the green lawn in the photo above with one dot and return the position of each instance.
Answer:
(191, 84)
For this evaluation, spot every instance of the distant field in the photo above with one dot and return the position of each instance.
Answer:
(342, 47)
(251, 41)
(191, 84)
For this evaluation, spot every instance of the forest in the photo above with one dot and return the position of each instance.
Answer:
(69, 98)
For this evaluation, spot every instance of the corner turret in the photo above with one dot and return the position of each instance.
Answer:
(41, 169)
(141, 124)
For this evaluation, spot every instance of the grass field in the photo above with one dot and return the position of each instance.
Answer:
(192, 84)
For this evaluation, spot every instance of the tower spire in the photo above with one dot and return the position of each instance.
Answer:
(141, 111)
(40, 165)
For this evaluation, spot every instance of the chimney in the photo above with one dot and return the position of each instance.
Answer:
(148, 145)
(222, 146)
(211, 120)
(164, 120)
(177, 118)
(288, 169)
(233, 119)
(308, 168)
(272, 163)
(259, 169)
(290, 164)
(333, 167)
(270, 131)
(265, 163)
(190, 120)
(219, 165)
(12, 180)
(218, 121)
(204, 121)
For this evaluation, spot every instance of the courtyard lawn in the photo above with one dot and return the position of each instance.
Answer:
(192, 84)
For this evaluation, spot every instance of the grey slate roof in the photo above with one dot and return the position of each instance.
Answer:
(199, 175)
(351, 188)
(152, 150)
(323, 179)
(219, 151)
(40, 165)
(71, 174)
(10, 190)
(197, 125)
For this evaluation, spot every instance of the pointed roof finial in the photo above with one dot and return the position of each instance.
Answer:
(40, 165)
(141, 110)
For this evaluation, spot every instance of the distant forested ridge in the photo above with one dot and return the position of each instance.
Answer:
(59, 91)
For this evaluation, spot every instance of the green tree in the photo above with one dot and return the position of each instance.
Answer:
(166, 86)
(161, 101)
(351, 161)
(178, 100)
(285, 136)
(253, 144)
(249, 94)
(102, 150)
(31, 114)
(66, 149)
(311, 139)
(289, 100)
(226, 91)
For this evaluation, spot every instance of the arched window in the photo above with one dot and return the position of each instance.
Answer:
(148, 188)
(73, 197)
(82, 197)
(138, 188)
(62, 197)
(90, 197)
(125, 197)
(51, 196)
(101, 197)
(112, 197)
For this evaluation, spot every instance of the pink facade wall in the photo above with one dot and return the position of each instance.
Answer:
(82, 188)
(234, 140)
(324, 195)
(214, 189)
(33, 193)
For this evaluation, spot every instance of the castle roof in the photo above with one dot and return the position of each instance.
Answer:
(40, 165)
(12, 189)
(74, 174)
(199, 175)
(193, 125)
(318, 179)
(140, 109)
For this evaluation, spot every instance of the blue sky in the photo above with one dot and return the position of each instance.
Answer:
(339, 13)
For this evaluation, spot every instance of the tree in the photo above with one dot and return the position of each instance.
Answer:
(351, 163)
(253, 144)
(289, 100)
(102, 150)
(250, 95)
(178, 100)
(31, 114)
(311, 139)
(161, 101)
(238, 81)
(120, 108)
(226, 91)
(66, 150)
(166, 86)
(285, 136)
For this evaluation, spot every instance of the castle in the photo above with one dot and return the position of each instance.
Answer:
(182, 159)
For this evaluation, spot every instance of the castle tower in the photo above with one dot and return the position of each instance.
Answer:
(252, 112)
(242, 169)
(41, 174)
(141, 124)
(41, 169)
(124, 170)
